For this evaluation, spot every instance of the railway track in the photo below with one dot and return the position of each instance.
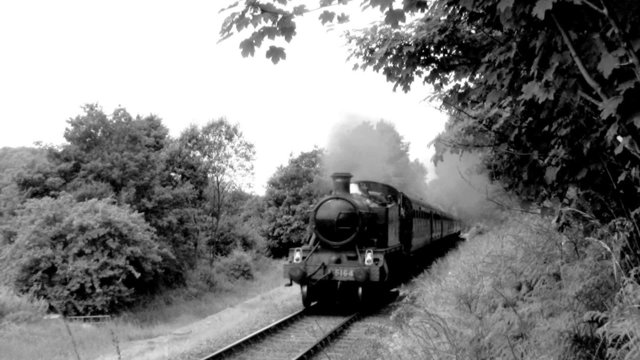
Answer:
(296, 336)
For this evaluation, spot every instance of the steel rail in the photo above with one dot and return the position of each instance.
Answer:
(328, 337)
(257, 335)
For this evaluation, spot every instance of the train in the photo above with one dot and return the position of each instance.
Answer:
(364, 236)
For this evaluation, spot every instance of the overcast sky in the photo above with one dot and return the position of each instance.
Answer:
(162, 57)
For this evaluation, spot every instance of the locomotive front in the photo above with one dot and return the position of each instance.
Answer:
(344, 252)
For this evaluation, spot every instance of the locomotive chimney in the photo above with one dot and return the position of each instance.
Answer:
(341, 182)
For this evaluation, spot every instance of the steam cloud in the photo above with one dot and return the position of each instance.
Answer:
(375, 152)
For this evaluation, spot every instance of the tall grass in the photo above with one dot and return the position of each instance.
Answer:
(522, 291)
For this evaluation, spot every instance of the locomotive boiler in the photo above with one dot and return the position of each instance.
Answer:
(365, 233)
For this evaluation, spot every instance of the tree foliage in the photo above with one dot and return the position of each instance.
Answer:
(225, 159)
(291, 193)
(133, 161)
(115, 166)
(84, 257)
(13, 161)
(273, 20)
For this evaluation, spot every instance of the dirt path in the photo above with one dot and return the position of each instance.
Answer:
(215, 331)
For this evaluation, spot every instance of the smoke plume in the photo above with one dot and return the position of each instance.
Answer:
(375, 152)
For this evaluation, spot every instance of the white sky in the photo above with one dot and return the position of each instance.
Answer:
(162, 57)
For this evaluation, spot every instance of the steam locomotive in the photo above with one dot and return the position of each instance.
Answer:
(364, 236)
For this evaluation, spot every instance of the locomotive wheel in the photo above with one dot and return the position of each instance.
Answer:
(306, 296)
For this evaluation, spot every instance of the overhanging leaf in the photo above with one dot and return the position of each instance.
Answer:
(619, 148)
(582, 173)
(505, 4)
(612, 132)
(269, 31)
(534, 89)
(327, 17)
(550, 174)
(343, 18)
(610, 106)
(622, 176)
(242, 22)
(467, 4)
(394, 17)
(299, 10)
(607, 63)
(383, 4)
(286, 27)
(228, 7)
(541, 8)
(247, 47)
(276, 53)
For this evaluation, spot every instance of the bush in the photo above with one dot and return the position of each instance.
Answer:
(237, 265)
(89, 257)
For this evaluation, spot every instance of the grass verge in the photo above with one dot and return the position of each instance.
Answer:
(519, 291)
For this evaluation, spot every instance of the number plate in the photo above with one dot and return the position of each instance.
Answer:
(342, 273)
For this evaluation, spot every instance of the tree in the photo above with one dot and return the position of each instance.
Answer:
(13, 161)
(225, 157)
(91, 257)
(291, 194)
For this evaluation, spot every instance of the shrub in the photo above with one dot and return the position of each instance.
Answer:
(237, 265)
(84, 257)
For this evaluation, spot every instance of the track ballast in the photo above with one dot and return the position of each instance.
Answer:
(296, 336)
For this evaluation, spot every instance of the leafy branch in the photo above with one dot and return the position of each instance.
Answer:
(574, 55)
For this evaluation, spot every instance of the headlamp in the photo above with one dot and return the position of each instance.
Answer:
(297, 255)
(368, 257)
